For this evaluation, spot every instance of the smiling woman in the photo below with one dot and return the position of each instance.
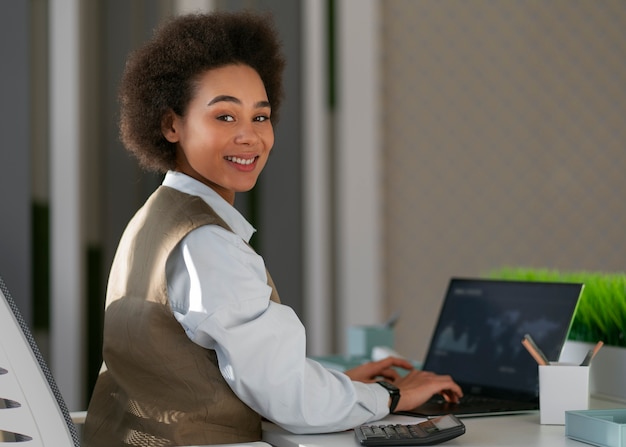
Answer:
(197, 103)
(225, 136)
(197, 346)
(154, 83)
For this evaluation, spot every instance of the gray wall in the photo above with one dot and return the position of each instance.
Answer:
(15, 128)
(504, 144)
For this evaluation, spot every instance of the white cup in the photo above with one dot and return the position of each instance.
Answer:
(562, 387)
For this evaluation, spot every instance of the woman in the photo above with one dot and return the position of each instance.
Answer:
(197, 347)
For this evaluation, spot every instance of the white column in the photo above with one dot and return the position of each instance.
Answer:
(358, 164)
(182, 7)
(66, 259)
(316, 170)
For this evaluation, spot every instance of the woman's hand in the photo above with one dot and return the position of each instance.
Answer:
(379, 370)
(416, 387)
(419, 386)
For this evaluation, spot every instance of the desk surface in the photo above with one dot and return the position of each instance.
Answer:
(522, 430)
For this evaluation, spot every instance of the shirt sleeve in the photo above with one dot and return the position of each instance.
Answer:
(218, 292)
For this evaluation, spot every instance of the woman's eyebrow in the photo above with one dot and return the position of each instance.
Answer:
(224, 98)
(228, 98)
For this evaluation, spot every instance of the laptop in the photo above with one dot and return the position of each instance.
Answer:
(32, 410)
(478, 341)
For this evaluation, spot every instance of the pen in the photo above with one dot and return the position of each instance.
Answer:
(391, 322)
(532, 348)
(592, 353)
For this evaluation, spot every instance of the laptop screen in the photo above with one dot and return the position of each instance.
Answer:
(478, 336)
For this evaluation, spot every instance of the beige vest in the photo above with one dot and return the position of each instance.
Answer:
(157, 388)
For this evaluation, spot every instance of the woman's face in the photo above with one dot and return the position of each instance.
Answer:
(226, 135)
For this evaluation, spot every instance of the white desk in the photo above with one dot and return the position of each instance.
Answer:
(522, 430)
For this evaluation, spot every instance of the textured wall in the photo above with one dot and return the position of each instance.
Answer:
(504, 144)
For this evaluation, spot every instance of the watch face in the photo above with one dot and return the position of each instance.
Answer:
(389, 386)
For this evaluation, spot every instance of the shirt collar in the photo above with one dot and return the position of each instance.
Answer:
(230, 215)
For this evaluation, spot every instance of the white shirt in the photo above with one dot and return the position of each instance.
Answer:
(218, 291)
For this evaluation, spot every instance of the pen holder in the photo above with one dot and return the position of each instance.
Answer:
(362, 339)
(562, 387)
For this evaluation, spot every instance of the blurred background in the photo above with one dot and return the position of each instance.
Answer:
(419, 140)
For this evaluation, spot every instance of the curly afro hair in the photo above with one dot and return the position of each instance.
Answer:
(160, 76)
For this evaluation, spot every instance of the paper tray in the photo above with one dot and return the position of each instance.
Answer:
(605, 428)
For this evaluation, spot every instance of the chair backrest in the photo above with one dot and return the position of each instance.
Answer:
(32, 409)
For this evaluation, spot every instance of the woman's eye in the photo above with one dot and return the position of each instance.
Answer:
(262, 118)
(227, 118)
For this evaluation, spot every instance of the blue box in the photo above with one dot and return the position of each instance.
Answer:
(606, 428)
(362, 339)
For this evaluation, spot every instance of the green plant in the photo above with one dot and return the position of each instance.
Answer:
(601, 312)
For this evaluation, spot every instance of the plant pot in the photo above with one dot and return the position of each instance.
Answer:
(607, 375)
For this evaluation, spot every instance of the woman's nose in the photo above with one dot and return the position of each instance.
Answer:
(246, 134)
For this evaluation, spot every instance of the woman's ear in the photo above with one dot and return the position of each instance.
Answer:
(168, 126)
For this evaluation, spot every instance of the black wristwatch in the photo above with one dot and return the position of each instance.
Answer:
(394, 393)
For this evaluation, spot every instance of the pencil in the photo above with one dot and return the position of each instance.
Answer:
(591, 354)
(532, 348)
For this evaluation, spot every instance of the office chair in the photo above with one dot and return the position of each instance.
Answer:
(31, 406)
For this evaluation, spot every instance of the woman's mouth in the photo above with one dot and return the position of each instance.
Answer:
(242, 164)
(241, 161)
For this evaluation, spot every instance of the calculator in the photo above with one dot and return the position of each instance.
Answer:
(432, 431)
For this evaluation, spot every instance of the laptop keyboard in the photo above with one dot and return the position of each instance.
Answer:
(469, 399)
(470, 405)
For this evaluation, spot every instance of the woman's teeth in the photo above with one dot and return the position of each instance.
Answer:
(241, 161)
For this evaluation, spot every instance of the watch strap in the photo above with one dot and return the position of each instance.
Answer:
(394, 393)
